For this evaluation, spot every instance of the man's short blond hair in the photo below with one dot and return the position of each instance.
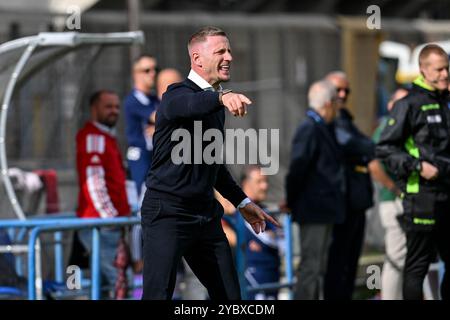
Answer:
(203, 33)
(429, 49)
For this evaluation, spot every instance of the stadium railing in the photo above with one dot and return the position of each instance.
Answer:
(56, 224)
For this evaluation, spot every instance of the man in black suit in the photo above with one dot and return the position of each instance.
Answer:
(180, 216)
(315, 188)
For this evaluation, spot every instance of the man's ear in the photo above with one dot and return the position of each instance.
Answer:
(421, 72)
(421, 67)
(196, 59)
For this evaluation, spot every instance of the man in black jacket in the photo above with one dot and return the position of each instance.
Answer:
(348, 236)
(180, 216)
(315, 187)
(415, 146)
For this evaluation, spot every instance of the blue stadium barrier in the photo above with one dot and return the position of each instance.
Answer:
(57, 223)
(18, 229)
(67, 222)
(239, 228)
(75, 224)
(11, 292)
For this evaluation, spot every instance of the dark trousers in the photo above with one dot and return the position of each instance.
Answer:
(171, 231)
(422, 249)
(314, 245)
(343, 257)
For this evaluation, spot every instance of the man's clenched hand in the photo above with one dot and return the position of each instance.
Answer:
(429, 172)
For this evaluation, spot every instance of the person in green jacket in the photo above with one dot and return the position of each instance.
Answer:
(390, 209)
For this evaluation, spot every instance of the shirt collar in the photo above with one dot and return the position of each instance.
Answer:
(315, 115)
(420, 81)
(106, 129)
(202, 83)
(141, 97)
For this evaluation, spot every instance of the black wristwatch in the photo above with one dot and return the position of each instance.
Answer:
(222, 93)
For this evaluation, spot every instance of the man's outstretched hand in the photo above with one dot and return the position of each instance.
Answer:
(256, 217)
(236, 103)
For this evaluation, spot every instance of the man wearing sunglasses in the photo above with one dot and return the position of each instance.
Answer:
(140, 106)
(348, 236)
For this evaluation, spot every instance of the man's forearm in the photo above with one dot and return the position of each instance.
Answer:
(379, 175)
(228, 188)
(192, 105)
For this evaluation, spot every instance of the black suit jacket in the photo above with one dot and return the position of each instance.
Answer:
(315, 184)
(188, 183)
(358, 151)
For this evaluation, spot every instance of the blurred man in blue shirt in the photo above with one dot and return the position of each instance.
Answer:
(261, 250)
(140, 109)
(140, 106)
